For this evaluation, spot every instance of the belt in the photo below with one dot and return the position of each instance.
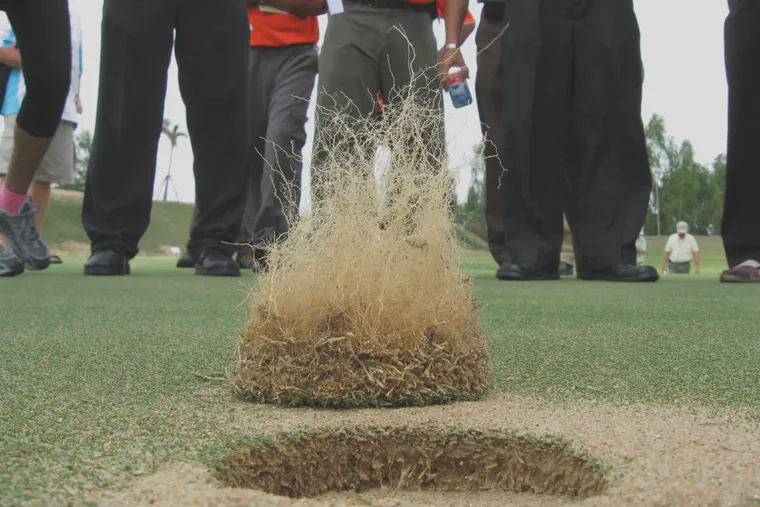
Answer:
(397, 4)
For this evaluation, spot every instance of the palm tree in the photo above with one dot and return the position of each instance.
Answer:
(173, 133)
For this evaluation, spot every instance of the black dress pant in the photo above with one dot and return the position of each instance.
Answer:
(741, 216)
(212, 40)
(573, 132)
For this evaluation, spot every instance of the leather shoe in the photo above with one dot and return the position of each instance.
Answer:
(186, 261)
(217, 262)
(106, 263)
(622, 273)
(524, 272)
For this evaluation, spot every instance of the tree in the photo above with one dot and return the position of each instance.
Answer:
(661, 152)
(174, 134)
(472, 212)
(82, 150)
(718, 189)
(683, 188)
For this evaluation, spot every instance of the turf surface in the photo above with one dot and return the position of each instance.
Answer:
(99, 377)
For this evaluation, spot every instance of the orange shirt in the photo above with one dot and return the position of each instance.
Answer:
(276, 29)
(468, 19)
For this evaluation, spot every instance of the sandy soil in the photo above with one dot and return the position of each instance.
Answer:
(657, 455)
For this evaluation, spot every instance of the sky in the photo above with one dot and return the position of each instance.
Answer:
(682, 49)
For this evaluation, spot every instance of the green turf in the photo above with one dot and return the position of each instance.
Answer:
(98, 385)
(169, 225)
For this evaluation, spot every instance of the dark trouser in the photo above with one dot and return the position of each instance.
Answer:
(212, 51)
(574, 134)
(281, 81)
(741, 216)
(43, 31)
(679, 268)
(362, 54)
(489, 90)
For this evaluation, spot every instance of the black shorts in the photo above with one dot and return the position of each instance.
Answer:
(43, 32)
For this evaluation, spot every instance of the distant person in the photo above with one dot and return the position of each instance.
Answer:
(211, 48)
(641, 249)
(57, 166)
(43, 31)
(740, 227)
(680, 250)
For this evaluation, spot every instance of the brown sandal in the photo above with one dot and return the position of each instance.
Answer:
(740, 274)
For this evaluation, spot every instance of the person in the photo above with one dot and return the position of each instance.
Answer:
(567, 254)
(489, 93)
(680, 250)
(573, 134)
(212, 40)
(43, 31)
(283, 64)
(366, 49)
(57, 165)
(641, 248)
(282, 68)
(489, 96)
(739, 228)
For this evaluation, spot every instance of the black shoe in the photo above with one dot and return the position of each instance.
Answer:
(622, 273)
(524, 272)
(186, 261)
(106, 263)
(565, 269)
(217, 262)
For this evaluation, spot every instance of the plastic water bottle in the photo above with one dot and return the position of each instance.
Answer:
(458, 89)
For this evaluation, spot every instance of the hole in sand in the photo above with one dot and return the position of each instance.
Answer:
(315, 462)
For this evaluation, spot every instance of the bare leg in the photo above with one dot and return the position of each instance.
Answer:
(27, 155)
(39, 191)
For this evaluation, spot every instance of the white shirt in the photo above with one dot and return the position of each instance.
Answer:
(681, 250)
(16, 90)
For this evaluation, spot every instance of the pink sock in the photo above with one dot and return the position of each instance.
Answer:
(11, 201)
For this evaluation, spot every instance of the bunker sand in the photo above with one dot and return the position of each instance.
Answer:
(655, 455)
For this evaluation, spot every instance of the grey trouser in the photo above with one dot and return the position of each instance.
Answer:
(281, 81)
(489, 90)
(679, 268)
(362, 54)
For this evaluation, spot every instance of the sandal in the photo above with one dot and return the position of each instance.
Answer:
(740, 274)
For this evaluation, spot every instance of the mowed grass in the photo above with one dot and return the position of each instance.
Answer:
(99, 377)
(169, 224)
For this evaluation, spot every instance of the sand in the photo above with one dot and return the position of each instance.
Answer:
(656, 455)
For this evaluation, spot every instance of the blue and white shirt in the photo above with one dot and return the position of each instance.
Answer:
(16, 90)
